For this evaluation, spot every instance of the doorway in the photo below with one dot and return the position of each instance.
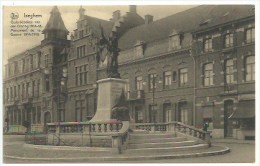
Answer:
(138, 114)
(47, 119)
(183, 112)
(228, 110)
(166, 112)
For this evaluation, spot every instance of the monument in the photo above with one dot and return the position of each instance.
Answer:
(110, 89)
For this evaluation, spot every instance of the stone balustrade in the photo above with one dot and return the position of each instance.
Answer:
(79, 127)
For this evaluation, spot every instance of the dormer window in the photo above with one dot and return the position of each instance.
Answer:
(175, 40)
(139, 49)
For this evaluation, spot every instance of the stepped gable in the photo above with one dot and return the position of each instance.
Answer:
(95, 22)
(129, 20)
(186, 21)
(55, 21)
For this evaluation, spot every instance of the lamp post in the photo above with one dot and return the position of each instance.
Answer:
(61, 85)
(154, 80)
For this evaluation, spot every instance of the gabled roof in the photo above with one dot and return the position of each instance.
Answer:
(32, 50)
(55, 21)
(186, 21)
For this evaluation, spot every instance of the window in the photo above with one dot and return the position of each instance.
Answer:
(46, 60)
(23, 91)
(127, 89)
(152, 81)
(33, 88)
(250, 68)
(208, 74)
(34, 115)
(175, 42)
(207, 44)
(229, 71)
(174, 76)
(39, 59)
(15, 92)
(23, 65)
(183, 76)
(139, 83)
(16, 67)
(7, 94)
(31, 62)
(81, 33)
(47, 83)
(81, 75)
(229, 40)
(80, 107)
(167, 79)
(18, 92)
(81, 51)
(38, 115)
(250, 35)
(139, 51)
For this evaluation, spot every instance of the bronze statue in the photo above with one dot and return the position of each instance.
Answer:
(111, 46)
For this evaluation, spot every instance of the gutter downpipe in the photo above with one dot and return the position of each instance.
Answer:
(194, 89)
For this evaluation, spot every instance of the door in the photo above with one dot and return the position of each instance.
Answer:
(138, 114)
(183, 112)
(152, 113)
(166, 112)
(47, 119)
(228, 110)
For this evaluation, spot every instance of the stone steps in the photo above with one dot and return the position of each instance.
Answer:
(156, 140)
(161, 144)
(151, 143)
(152, 135)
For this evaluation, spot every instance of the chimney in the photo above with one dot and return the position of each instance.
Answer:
(148, 19)
(116, 15)
(132, 8)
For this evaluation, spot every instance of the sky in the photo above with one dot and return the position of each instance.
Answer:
(16, 44)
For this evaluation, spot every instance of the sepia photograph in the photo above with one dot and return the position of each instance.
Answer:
(128, 83)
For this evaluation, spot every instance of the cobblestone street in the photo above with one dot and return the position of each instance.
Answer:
(13, 145)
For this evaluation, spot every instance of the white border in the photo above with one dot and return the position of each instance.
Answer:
(144, 2)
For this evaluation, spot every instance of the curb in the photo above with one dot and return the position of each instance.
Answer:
(129, 158)
(93, 149)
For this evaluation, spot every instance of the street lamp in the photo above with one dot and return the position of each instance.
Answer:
(61, 98)
(154, 79)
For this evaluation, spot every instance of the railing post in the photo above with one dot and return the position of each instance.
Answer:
(207, 138)
(117, 144)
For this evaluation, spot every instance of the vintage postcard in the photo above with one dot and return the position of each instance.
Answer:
(135, 83)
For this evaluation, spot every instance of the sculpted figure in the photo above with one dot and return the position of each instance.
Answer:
(111, 46)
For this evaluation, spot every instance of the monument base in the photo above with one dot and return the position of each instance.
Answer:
(109, 91)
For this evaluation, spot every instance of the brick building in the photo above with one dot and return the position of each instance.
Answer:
(195, 66)
(32, 79)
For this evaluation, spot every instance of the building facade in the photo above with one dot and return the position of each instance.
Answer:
(32, 80)
(195, 66)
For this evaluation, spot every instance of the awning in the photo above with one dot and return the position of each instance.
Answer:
(246, 109)
(207, 112)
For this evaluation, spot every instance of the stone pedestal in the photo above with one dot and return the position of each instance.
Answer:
(109, 91)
